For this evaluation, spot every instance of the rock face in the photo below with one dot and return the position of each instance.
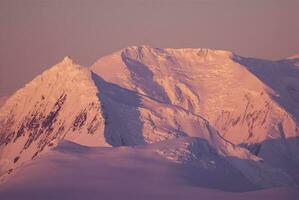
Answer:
(241, 110)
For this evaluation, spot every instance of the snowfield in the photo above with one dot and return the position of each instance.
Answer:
(71, 171)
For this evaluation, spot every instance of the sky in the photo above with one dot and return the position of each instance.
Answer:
(36, 34)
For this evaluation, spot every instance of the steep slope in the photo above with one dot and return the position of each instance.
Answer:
(132, 119)
(212, 83)
(60, 103)
(202, 108)
(236, 95)
(69, 102)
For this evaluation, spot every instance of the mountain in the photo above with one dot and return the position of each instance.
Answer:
(252, 103)
(210, 112)
(60, 103)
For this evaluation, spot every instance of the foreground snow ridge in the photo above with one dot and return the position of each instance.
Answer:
(212, 112)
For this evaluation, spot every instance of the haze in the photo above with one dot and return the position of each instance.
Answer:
(37, 34)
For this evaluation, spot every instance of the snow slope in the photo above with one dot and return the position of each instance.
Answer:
(252, 103)
(60, 103)
(128, 173)
(213, 112)
(217, 85)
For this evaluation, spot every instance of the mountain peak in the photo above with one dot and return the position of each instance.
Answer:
(67, 60)
(65, 64)
(144, 50)
(150, 55)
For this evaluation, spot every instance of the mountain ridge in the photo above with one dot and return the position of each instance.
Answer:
(144, 96)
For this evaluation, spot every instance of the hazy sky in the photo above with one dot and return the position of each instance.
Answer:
(36, 34)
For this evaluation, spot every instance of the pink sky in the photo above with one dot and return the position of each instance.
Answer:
(36, 34)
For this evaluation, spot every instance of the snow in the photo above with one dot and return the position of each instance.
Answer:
(210, 112)
(46, 110)
(71, 171)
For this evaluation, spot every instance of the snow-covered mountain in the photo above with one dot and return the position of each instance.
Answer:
(252, 103)
(210, 109)
(60, 103)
